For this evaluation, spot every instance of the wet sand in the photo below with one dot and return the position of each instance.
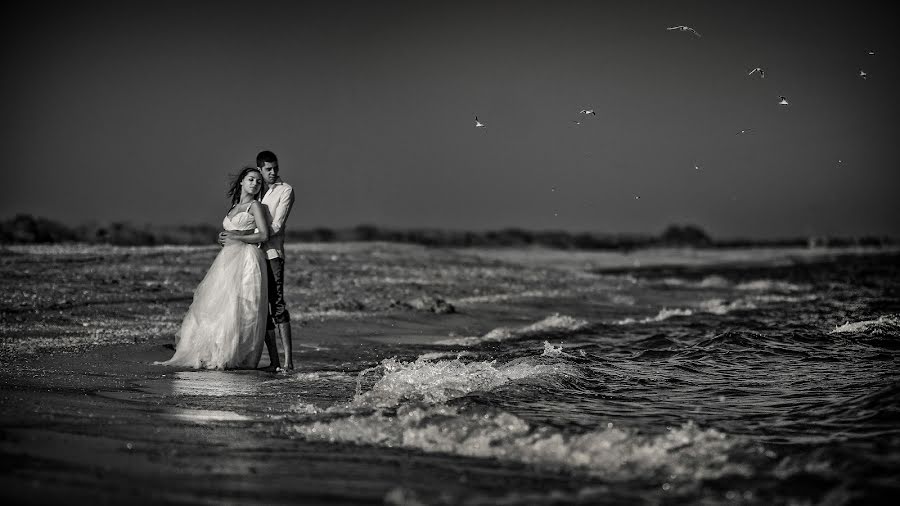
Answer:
(86, 417)
(104, 426)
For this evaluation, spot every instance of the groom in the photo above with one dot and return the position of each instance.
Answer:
(278, 201)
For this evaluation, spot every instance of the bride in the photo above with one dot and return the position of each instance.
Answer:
(225, 326)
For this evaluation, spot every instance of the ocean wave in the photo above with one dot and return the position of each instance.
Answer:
(553, 324)
(685, 453)
(709, 306)
(436, 382)
(885, 324)
(718, 282)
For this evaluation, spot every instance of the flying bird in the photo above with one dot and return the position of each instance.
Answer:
(576, 122)
(782, 101)
(762, 73)
(862, 73)
(587, 111)
(870, 52)
(684, 29)
(478, 124)
(743, 131)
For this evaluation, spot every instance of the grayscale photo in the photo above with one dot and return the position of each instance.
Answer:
(430, 253)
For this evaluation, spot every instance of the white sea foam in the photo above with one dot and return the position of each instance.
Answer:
(720, 306)
(624, 300)
(718, 282)
(313, 377)
(684, 453)
(435, 355)
(711, 306)
(664, 314)
(552, 351)
(334, 314)
(435, 382)
(770, 298)
(885, 324)
(712, 281)
(304, 408)
(501, 297)
(554, 323)
(771, 285)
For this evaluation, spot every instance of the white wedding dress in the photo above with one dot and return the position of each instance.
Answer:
(225, 326)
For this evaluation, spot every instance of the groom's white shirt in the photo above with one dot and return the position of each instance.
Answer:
(278, 201)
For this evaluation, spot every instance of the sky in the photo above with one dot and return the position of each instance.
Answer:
(139, 112)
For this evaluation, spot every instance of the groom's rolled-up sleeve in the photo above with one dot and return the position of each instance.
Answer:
(282, 210)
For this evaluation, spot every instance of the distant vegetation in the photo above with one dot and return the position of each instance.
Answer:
(27, 229)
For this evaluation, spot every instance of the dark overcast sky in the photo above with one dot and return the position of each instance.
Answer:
(138, 112)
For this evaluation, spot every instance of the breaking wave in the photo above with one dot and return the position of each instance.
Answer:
(885, 324)
(553, 324)
(685, 453)
(435, 382)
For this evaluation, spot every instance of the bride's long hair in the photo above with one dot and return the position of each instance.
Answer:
(234, 189)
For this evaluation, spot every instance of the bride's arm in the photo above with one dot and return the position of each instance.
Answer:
(262, 234)
(223, 235)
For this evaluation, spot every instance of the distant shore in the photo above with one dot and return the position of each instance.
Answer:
(27, 229)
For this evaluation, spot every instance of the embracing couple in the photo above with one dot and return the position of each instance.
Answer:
(239, 304)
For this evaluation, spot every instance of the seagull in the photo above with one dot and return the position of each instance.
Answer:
(862, 73)
(782, 101)
(684, 29)
(870, 52)
(696, 167)
(743, 131)
(576, 122)
(478, 124)
(587, 111)
(762, 73)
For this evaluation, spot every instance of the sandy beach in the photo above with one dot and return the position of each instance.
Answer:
(86, 417)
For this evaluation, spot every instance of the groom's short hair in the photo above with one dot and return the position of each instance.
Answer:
(265, 157)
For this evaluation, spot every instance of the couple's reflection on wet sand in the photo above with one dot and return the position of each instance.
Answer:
(195, 385)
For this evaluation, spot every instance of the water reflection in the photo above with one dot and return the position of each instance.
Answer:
(204, 415)
(214, 383)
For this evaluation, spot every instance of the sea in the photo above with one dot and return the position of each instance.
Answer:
(760, 383)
